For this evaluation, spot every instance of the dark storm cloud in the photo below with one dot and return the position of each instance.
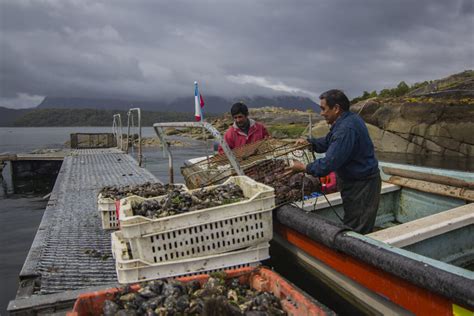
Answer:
(156, 49)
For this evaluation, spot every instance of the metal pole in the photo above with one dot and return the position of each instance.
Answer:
(206, 145)
(140, 155)
(139, 114)
(119, 133)
(214, 132)
(113, 130)
(128, 131)
(161, 136)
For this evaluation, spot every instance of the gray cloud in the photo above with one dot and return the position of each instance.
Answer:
(157, 49)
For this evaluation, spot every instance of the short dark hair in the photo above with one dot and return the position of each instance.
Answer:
(334, 97)
(239, 108)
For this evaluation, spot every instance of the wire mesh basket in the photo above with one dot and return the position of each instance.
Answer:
(266, 161)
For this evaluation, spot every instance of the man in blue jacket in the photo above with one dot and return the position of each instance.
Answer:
(350, 153)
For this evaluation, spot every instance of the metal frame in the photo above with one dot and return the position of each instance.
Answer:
(115, 130)
(130, 115)
(214, 132)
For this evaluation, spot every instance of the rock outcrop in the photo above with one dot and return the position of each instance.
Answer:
(437, 118)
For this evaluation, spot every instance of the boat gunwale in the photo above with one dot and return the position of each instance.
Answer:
(447, 280)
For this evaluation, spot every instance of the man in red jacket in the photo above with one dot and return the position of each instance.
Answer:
(244, 130)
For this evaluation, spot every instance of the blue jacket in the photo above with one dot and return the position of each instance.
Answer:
(349, 150)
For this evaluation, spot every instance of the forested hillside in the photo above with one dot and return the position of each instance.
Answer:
(93, 117)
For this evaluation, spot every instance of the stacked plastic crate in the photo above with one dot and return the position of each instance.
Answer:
(109, 208)
(230, 235)
(108, 212)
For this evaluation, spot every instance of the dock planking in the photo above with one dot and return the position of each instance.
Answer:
(70, 250)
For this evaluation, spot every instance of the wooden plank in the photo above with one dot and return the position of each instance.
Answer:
(428, 177)
(48, 156)
(335, 198)
(435, 188)
(426, 227)
(7, 157)
(40, 157)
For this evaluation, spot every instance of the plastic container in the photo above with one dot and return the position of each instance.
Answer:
(108, 212)
(205, 239)
(294, 301)
(131, 270)
(259, 198)
(109, 209)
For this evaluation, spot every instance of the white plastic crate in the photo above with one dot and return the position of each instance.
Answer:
(137, 270)
(205, 239)
(107, 210)
(259, 198)
(105, 204)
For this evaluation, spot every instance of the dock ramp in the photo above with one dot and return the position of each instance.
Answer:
(71, 251)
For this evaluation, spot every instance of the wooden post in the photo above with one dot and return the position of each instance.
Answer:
(428, 177)
(435, 188)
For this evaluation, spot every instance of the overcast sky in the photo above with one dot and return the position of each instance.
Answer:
(148, 50)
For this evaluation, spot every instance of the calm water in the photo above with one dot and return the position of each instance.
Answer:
(20, 215)
(26, 139)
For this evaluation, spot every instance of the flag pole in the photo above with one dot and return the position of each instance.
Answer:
(199, 99)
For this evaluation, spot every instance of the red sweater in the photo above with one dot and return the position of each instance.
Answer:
(235, 138)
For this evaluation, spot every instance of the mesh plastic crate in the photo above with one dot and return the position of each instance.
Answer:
(105, 204)
(259, 198)
(205, 239)
(108, 212)
(137, 270)
(109, 209)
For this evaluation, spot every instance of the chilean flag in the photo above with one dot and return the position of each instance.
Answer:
(198, 103)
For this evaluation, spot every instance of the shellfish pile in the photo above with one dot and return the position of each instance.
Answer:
(145, 190)
(177, 201)
(215, 297)
(288, 187)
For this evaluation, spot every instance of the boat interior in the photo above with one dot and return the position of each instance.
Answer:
(430, 224)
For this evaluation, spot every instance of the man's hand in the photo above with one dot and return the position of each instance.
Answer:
(301, 141)
(295, 167)
(298, 166)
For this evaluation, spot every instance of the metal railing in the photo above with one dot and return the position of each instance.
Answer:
(214, 132)
(130, 119)
(117, 130)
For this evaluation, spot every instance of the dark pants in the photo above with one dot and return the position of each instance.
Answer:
(360, 199)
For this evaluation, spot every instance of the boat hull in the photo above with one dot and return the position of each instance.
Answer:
(419, 287)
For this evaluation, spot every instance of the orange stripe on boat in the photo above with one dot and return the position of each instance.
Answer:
(411, 297)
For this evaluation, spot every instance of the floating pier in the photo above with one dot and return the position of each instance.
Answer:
(71, 252)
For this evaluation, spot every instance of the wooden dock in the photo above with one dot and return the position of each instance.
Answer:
(71, 252)
(26, 157)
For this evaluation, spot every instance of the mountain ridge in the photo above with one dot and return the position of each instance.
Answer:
(213, 104)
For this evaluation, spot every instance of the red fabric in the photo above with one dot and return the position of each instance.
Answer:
(201, 101)
(328, 183)
(235, 138)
